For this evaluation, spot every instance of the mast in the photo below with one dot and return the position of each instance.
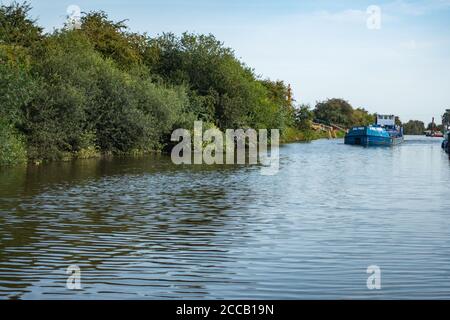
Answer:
(432, 126)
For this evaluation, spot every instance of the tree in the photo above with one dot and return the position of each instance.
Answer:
(225, 89)
(280, 97)
(303, 117)
(102, 88)
(414, 127)
(86, 101)
(340, 112)
(112, 39)
(17, 89)
(16, 27)
(362, 117)
(337, 111)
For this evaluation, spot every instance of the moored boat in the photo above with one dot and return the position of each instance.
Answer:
(383, 133)
(434, 134)
(445, 144)
(446, 125)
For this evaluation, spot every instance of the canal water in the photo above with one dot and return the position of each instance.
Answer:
(143, 228)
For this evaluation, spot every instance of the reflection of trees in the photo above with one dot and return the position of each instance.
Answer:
(141, 218)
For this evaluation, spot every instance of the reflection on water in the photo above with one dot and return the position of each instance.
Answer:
(144, 228)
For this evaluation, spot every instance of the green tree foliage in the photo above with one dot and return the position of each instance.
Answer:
(112, 39)
(55, 119)
(340, 112)
(103, 89)
(303, 117)
(16, 83)
(12, 146)
(16, 90)
(278, 94)
(224, 89)
(362, 117)
(414, 127)
(84, 95)
(77, 90)
(16, 27)
(336, 111)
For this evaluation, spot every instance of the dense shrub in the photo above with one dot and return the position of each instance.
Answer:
(303, 117)
(83, 93)
(225, 90)
(103, 89)
(339, 111)
(414, 127)
(12, 146)
(16, 26)
(16, 90)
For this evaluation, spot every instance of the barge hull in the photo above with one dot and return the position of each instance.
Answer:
(373, 140)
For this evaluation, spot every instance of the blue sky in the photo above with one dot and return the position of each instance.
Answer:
(322, 48)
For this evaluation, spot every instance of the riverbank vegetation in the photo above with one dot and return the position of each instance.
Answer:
(339, 111)
(414, 127)
(103, 89)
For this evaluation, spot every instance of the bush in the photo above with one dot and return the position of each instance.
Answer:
(17, 87)
(12, 146)
(56, 118)
(16, 90)
(16, 26)
(339, 111)
(83, 93)
(414, 127)
(103, 89)
(225, 91)
(303, 117)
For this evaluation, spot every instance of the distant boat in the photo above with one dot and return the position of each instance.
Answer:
(383, 133)
(434, 134)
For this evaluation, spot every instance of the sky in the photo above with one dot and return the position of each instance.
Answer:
(393, 58)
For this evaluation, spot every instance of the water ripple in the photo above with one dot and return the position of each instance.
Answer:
(142, 228)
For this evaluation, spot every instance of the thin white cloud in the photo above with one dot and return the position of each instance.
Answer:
(346, 16)
(417, 8)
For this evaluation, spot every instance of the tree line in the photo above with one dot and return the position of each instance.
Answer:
(103, 89)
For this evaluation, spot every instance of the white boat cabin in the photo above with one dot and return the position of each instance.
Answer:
(385, 120)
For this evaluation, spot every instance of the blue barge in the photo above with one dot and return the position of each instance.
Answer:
(383, 133)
